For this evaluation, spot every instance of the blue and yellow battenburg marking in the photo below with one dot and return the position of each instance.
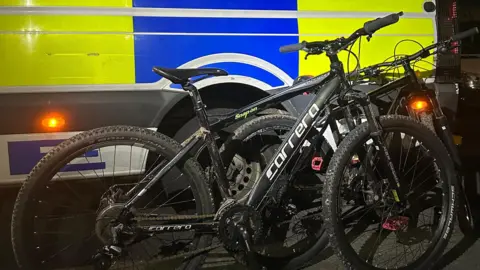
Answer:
(86, 49)
(24, 155)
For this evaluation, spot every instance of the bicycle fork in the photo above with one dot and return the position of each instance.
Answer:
(376, 132)
(465, 216)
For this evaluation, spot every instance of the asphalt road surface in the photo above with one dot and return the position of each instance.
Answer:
(462, 253)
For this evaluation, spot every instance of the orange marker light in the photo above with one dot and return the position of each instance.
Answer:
(53, 122)
(419, 105)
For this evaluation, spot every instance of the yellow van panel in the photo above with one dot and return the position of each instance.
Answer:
(377, 50)
(361, 5)
(59, 59)
(68, 3)
(66, 23)
(66, 50)
(346, 26)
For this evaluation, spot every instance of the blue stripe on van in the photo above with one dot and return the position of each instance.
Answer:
(173, 51)
(249, 71)
(220, 4)
(215, 25)
(84, 167)
(24, 155)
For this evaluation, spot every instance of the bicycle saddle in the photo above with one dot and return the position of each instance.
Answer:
(181, 76)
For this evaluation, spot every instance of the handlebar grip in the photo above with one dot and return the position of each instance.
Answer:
(293, 47)
(465, 34)
(372, 26)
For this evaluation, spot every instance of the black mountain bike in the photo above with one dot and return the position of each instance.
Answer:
(390, 218)
(413, 98)
(124, 217)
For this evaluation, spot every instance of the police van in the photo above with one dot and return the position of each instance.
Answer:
(72, 65)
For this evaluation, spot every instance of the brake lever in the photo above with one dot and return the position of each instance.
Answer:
(312, 51)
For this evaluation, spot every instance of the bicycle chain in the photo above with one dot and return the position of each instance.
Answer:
(189, 254)
(195, 252)
(309, 211)
(186, 217)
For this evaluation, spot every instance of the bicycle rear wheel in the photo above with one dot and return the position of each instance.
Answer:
(358, 201)
(62, 212)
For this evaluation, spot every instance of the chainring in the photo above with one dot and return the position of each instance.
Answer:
(227, 229)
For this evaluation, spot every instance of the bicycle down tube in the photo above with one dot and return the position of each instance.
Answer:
(290, 146)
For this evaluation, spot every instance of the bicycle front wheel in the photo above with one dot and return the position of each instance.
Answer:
(368, 229)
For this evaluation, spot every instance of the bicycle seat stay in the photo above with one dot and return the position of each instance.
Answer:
(181, 76)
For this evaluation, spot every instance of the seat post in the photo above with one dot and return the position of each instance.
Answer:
(198, 105)
(216, 159)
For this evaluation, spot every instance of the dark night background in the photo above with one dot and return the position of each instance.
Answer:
(469, 16)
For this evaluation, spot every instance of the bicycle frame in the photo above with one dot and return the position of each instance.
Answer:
(204, 134)
(325, 86)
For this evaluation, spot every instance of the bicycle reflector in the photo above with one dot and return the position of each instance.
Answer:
(53, 122)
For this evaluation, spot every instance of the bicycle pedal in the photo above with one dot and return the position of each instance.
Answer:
(317, 163)
(395, 223)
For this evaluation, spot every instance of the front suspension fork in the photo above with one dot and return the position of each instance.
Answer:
(378, 140)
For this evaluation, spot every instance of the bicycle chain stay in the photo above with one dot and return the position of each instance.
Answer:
(146, 217)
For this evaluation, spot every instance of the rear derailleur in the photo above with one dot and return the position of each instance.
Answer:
(105, 256)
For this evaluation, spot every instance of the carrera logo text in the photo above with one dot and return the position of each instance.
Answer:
(168, 228)
(292, 141)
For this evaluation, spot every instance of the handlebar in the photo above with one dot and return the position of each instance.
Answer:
(368, 29)
(377, 24)
(465, 34)
(425, 52)
(293, 47)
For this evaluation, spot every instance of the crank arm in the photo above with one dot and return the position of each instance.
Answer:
(251, 256)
